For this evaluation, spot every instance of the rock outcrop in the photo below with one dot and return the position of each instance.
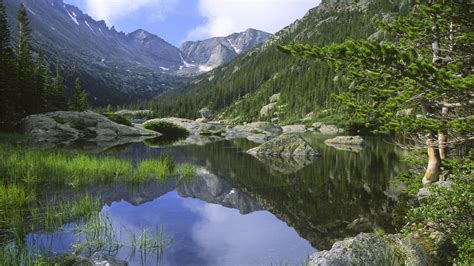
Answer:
(72, 126)
(194, 127)
(294, 129)
(327, 129)
(206, 113)
(346, 140)
(370, 249)
(260, 127)
(287, 145)
(258, 132)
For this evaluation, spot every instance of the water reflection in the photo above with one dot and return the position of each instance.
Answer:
(241, 211)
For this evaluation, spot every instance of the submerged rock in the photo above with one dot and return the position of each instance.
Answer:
(71, 126)
(370, 249)
(344, 147)
(101, 259)
(346, 140)
(287, 145)
(286, 165)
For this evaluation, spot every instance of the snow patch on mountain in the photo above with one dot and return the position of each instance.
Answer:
(237, 50)
(73, 17)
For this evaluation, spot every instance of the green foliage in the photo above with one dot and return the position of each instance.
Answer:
(26, 86)
(166, 128)
(7, 71)
(187, 171)
(402, 86)
(118, 119)
(451, 209)
(79, 100)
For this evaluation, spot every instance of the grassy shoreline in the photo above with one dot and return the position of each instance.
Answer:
(26, 174)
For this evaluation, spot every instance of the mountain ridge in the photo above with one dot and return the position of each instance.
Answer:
(114, 67)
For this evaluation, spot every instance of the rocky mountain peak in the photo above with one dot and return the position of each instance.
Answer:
(141, 35)
(217, 51)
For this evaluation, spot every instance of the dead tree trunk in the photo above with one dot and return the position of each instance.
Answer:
(442, 137)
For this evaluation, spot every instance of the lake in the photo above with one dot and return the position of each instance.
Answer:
(239, 210)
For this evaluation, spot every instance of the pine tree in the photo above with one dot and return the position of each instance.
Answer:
(26, 84)
(421, 85)
(48, 91)
(8, 94)
(59, 99)
(79, 101)
(39, 80)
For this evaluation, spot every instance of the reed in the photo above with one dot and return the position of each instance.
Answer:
(187, 171)
(36, 168)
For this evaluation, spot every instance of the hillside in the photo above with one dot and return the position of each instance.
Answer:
(241, 88)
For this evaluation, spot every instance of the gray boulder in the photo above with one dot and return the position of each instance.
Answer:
(346, 140)
(267, 109)
(294, 129)
(330, 129)
(370, 249)
(425, 191)
(287, 145)
(206, 113)
(101, 259)
(260, 127)
(275, 98)
(326, 129)
(71, 126)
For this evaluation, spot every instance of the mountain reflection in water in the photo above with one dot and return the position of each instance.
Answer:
(239, 210)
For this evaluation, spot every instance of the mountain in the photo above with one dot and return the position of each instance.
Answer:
(240, 89)
(114, 67)
(217, 51)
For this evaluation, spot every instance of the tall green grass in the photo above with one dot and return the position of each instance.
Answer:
(35, 168)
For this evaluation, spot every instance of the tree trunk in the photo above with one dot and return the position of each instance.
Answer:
(434, 162)
(442, 137)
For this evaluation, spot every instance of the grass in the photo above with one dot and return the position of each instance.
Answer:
(118, 119)
(187, 171)
(35, 168)
(26, 175)
(155, 169)
(167, 128)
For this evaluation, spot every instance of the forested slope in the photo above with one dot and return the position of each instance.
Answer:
(239, 89)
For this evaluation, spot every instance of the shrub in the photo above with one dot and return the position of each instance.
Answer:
(118, 119)
(167, 128)
(451, 209)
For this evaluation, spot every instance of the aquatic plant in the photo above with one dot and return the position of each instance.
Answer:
(37, 168)
(187, 171)
(155, 169)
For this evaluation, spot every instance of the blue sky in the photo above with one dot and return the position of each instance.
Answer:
(180, 20)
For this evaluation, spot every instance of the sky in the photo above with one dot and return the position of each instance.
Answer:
(181, 20)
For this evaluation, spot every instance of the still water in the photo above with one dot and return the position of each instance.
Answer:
(239, 210)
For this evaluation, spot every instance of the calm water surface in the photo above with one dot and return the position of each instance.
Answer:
(240, 210)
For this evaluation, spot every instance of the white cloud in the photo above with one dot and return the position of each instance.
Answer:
(227, 16)
(113, 10)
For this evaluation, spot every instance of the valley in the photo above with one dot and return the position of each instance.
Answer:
(344, 138)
